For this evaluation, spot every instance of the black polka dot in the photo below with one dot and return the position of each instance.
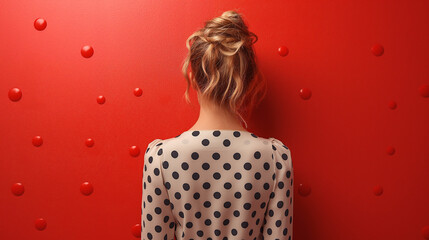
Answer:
(195, 176)
(266, 186)
(216, 156)
(206, 166)
(284, 156)
(188, 206)
(205, 142)
(226, 166)
(237, 195)
(177, 195)
(195, 155)
(247, 166)
(257, 155)
(195, 133)
(165, 164)
(217, 195)
(185, 166)
(237, 175)
(216, 175)
(266, 166)
(206, 185)
(196, 195)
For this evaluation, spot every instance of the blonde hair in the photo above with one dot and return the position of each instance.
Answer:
(223, 64)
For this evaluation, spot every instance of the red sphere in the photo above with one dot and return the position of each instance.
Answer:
(425, 232)
(86, 188)
(40, 24)
(89, 142)
(138, 92)
(283, 51)
(40, 224)
(136, 230)
(15, 94)
(378, 190)
(377, 50)
(305, 93)
(390, 150)
(304, 189)
(134, 151)
(87, 51)
(17, 189)
(101, 99)
(37, 141)
(392, 105)
(424, 90)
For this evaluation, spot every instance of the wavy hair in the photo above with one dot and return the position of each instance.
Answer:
(223, 64)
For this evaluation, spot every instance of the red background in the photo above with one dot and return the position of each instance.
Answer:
(348, 186)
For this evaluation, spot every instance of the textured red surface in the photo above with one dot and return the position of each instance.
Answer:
(87, 85)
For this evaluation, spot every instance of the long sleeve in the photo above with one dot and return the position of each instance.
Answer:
(278, 219)
(157, 221)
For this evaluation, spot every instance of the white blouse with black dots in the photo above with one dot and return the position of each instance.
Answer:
(217, 184)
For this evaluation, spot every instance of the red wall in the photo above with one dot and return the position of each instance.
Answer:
(361, 164)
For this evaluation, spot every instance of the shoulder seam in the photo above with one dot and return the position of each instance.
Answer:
(164, 152)
(274, 164)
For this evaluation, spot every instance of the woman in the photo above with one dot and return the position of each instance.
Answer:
(217, 180)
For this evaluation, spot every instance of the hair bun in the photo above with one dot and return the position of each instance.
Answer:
(231, 26)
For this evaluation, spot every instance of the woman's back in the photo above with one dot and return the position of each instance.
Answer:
(217, 184)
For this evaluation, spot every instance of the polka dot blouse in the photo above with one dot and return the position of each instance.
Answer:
(217, 184)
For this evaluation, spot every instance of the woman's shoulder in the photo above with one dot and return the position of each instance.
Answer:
(154, 146)
(277, 143)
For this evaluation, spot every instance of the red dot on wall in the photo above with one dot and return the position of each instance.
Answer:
(17, 189)
(305, 93)
(40, 224)
(86, 188)
(101, 99)
(138, 92)
(304, 189)
(392, 105)
(377, 49)
(390, 150)
(136, 230)
(424, 90)
(134, 151)
(283, 51)
(87, 51)
(378, 190)
(40, 24)
(425, 232)
(89, 142)
(15, 94)
(37, 141)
